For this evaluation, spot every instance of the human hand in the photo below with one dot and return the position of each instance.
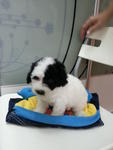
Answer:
(94, 23)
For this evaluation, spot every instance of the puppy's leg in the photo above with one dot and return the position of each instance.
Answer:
(78, 112)
(58, 109)
(41, 106)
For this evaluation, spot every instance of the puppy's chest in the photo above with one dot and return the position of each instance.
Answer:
(48, 99)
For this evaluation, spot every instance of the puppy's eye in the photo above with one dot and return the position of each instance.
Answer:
(36, 78)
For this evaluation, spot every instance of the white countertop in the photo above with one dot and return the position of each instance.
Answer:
(13, 137)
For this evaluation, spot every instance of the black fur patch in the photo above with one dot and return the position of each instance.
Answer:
(55, 75)
(28, 79)
(40, 92)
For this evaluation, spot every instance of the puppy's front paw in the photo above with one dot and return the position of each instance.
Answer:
(79, 113)
(41, 107)
(40, 110)
(57, 114)
(58, 111)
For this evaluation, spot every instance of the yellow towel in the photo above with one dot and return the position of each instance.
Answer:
(30, 104)
(90, 109)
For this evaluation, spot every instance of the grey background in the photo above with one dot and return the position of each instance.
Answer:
(50, 36)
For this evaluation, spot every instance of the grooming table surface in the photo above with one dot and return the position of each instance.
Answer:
(13, 137)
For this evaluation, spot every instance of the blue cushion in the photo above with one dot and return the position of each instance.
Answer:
(26, 93)
(22, 116)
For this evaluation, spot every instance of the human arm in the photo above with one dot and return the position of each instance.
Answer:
(96, 22)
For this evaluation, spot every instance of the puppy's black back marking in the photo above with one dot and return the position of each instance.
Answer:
(55, 75)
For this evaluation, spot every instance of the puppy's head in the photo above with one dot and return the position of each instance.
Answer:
(46, 74)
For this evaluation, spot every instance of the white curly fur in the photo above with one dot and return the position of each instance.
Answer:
(72, 95)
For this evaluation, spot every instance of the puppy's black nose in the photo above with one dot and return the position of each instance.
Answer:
(40, 92)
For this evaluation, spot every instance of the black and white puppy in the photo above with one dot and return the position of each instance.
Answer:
(55, 87)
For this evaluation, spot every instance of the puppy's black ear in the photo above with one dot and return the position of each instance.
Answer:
(28, 79)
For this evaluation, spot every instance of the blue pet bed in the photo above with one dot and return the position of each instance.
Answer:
(21, 116)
